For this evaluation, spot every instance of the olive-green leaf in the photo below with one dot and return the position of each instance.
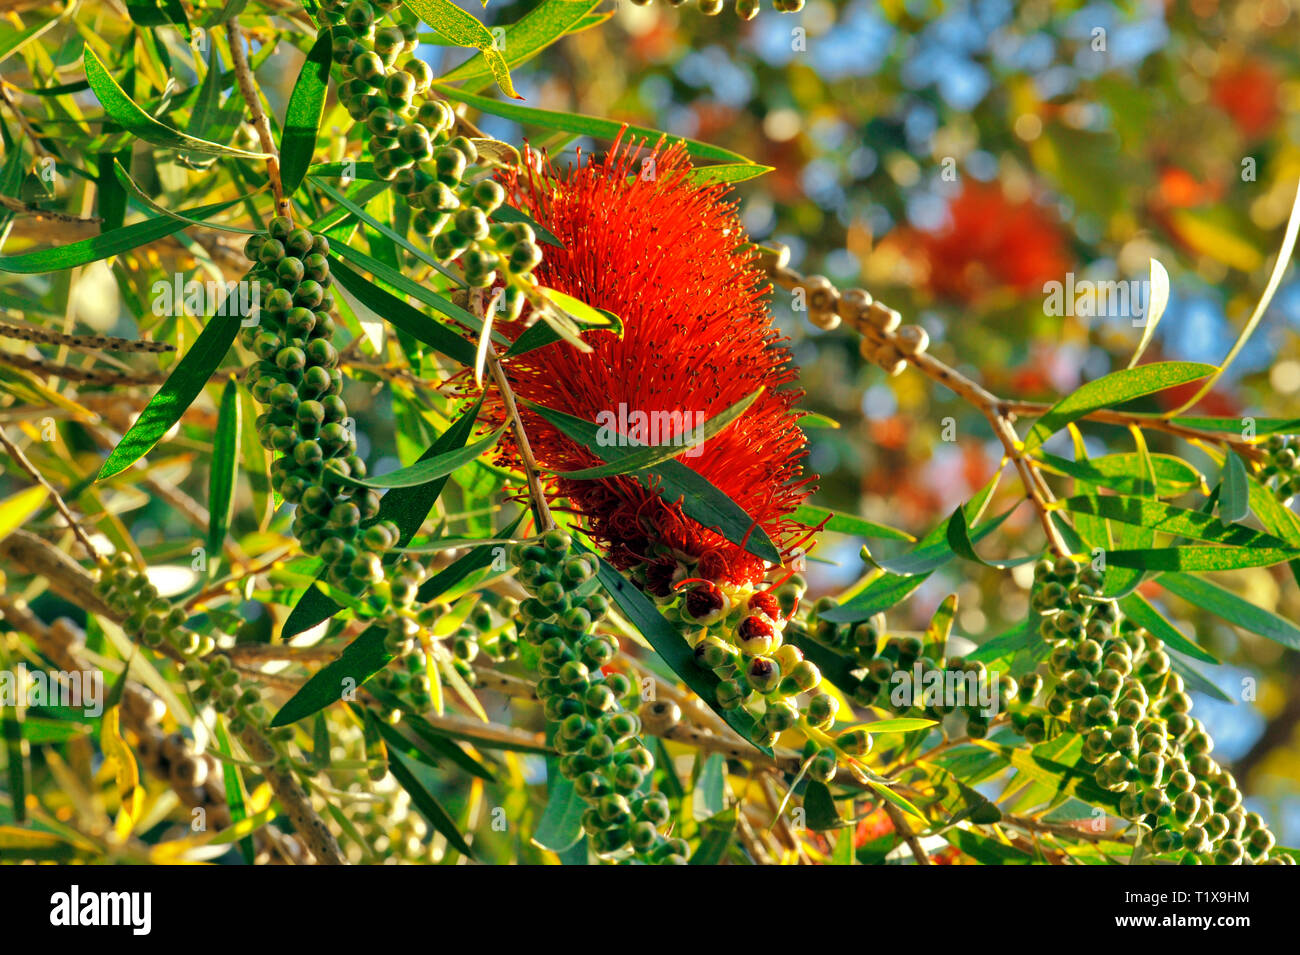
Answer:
(1114, 389)
(127, 113)
(466, 30)
(303, 115)
(224, 470)
(178, 392)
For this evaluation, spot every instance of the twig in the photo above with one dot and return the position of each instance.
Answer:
(89, 376)
(23, 209)
(44, 336)
(26, 127)
(244, 76)
(16, 453)
(903, 829)
(536, 493)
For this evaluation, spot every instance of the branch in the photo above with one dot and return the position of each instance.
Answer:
(248, 90)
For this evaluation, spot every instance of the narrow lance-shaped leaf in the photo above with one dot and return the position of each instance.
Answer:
(527, 37)
(113, 242)
(1234, 499)
(397, 312)
(645, 457)
(462, 28)
(593, 126)
(1165, 518)
(424, 472)
(303, 115)
(1233, 609)
(225, 470)
(1113, 389)
(669, 644)
(126, 113)
(178, 392)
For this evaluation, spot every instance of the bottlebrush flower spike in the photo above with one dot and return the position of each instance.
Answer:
(670, 258)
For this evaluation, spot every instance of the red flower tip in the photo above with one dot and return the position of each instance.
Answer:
(644, 240)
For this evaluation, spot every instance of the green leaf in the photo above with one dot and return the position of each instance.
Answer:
(1127, 473)
(366, 655)
(560, 827)
(134, 120)
(698, 498)
(1236, 611)
(649, 455)
(303, 115)
(527, 37)
(429, 807)
(508, 213)
(178, 392)
(1199, 559)
(846, 523)
(224, 470)
(1138, 609)
(727, 173)
(593, 126)
(1167, 519)
(958, 535)
(1234, 499)
(132, 187)
(902, 724)
(1113, 389)
(406, 507)
(397, 312)
(670, 645)
(876, 597)
(85, 251)
(463, 29)
(428, 470)
(819, 808)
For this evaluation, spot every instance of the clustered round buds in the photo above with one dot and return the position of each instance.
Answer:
(412, 633)
(1113, 684)
(895, 673)
(416, 146)
(154, 622)
(306, 423)
(739, 634)
(1282, 467)
(594, 729)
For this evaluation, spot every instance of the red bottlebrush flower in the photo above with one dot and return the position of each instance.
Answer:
(670, 258)
(989, 243)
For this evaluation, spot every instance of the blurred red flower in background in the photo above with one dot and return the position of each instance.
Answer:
(989, 243)
(670, 258)
(1248, 93)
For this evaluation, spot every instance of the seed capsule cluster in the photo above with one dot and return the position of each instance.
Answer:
(738, 633)
(418, 150)
(154, 622)
(1282, 467)
(306, 422)
(595, 733)
(896, 674)
(1112, 684)
(413, 633)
